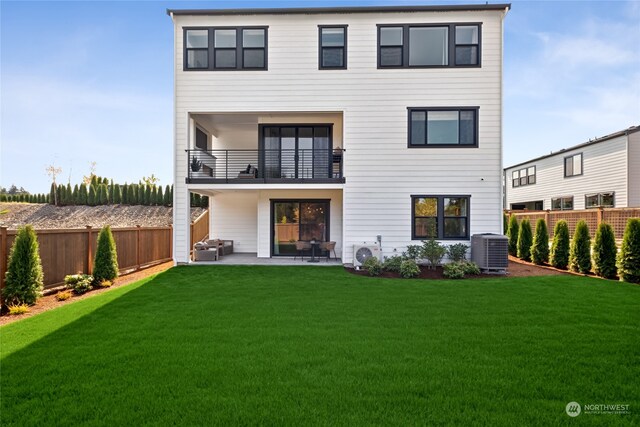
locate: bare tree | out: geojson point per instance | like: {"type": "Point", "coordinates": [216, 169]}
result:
{"type": "Point", "coordinates": [92, 172]}
{"type": "Point", "coordinates": [150, 180]}
{"type": "Point", "coordinates": [53, 171]}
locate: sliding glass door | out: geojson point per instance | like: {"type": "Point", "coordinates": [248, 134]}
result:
{"type": "Point", "coordinates": [298, 220]}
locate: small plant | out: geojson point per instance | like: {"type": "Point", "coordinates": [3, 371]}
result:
{"type": "Point", "coordinates": [79, 283]}
{"type": "Point", "coordinates": [24, 277]}
{"type": "Point", "coordinates": [392, 263]}
{"type": "Point", "coordinates": [433, 252]}
{"type": "Point", "coordinates": [470, 268]}
{"type": "Point", "coordinates": [373, 266]}
{"type": "Point", "coordinates": [64, 295]}
{"type": "Point", "coordinates": [409, 269]}
{"type": "Point", "coordinates": [540, 246]}
{"type": "Point", "coordinates": [629, 256]}
{"type": "Point", "coordinates": [512, 233]}
{"type": "Point", "coordinates": [580, 252]}
{"type": "Point", "coordinates": [604, 252]}
{"type": "Point", "coordinates": [413, 252]}
{"type": "Point", "coordinates": [560, 246]}
{"type": "Point", "coordinates": [525, 240]}
{"type": "Point", "coordinates": [457, 252]}
{"type": "Point", "coordinates": [453, 270]}
{"type": "Point", "coordinates": [104, 283]}
{"type": "Point", "coordinates": [17, 309]}
{"type": "Point", "coordinates": [105, 265]}
{"type": "Point", "coordinates": [195, 164]}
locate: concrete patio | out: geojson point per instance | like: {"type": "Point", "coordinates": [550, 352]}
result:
{"type": "Point", "coordinates": [252, 259]}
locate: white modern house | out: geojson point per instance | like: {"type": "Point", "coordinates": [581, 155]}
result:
{"type": "Point", "coordinates": [345, 124]}
{"type": "Point", "coordinates": [603, 172]}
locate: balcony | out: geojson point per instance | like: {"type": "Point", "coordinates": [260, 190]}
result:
{"type": "Point", "coordinates": [265, 166]}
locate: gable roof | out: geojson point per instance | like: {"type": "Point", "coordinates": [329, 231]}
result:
{"type": "Point", "coordinates": [627, 131]}
{"type": "Point", "coordinates": [344, 9]}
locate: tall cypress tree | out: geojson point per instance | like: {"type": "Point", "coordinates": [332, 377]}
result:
{"type": "Point", "coordinates": [91, 198]}
{"type": "Point", "coordinates": [142, 198]}
{"type": "Point", "coordinates": [75, 195]}
{"type": "Point", "coordinates": [159, 197]}
{"type": "Point", "coordinates": [111, 191]}
{"type": "Point", "coordinates": [580, 250]}
{"type": "Point", "coordinates": [167, 201]}
{"type": "Point", "coordinates": [131, 195]}
{"type": "Point", "coordinates": [125, 194]}
{"type": "Point", "coordinates": [69, 194]}
{"type": "Point", "coordinates": [82, 195]}
{"type": "Point", "coordinates": [52, 194]}
{"type": "Point", "coordinates": [154, 196]}
{"type": "Point", "coordinates": [117, 195]}
{"type": "Point", "coordinates": [512, 233]}
{"type": "Point", "coordinates": [147, 195]}
{"type": "Point", "coordinates": [103, 196]}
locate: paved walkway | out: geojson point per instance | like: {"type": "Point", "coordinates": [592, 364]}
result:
{"type": "Point", "coordinates": [252, 259]}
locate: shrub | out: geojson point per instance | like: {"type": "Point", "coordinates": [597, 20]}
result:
{"type": "Point", "coordinates": [125, 194]}
{"type": "Point", "coordinates": [392, 263]}
{"type": "Point", "coordinates": [52, 194]}
{"type": "Point", "coordinates": [82, 195]}
{"type": "Point", "coordinates": [147, 195]}
{"type": "Point", "coordinates": [24, 277]}
{"type": "Point", "coordinates": [512, 233]}
{"type": "Point", "coordinates": [604, 252]}
{"type": "Point", "coordinates": [91, 199]}
{"type": "Point", "coordinates": [69, 195]}
{"type": "Point", "coordinates": [117, 195]}
{"type": "Point", "coordinates": [168, 196]}
{"type": "Point", "coordinates": [629, 256]}
{"type": "Point", "coordinates": [524, 240]}
{"type": "Point", "coordinates": [159, 197]}
{"type": "Point", "coordinates": [16, 309]}
{"type": "Point", "coordinates": [373, 266]}
{"type": "Point", "coordinates": [470, 267]}
{"type": "Point", "coordinates": [540, 246]}
{"type": "Point", "coordinates": [453, 270]}
{"type": "Point", "coordinates": [104, 194]}
{"type": "Point", "coordinates": [409, 269]}
{"type": "Point", "coordinates": [104, 284]}
{"type": "Point", "coordinates": [433, 252]}
{"type": "Point", "coordinates": [79, 283]}
{"type": "Point", "coordinates": [413, 252]}
{"type": "Point", "coordinates": [153, 201]}
{"type": "Point", "coordinates": [505, 223]}
{"type": "Point", "coordinates": [105, 265]}
{"type": "Point", "coordinates": [64, 295]}
{"type": "Point", "coordinates": [580, 252]}
{"type": "Point", "coordinates": [560, 245]}
{"type": "Point", "coordinates": [457, 252]}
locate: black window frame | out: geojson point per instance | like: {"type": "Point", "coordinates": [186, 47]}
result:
{"type": "Point", "coordinates": [239, 49]}
{"type": "Point", "coordinates": [564, 165]}
{"type": "Point", "coordinates": [562, 200]}
{"type": "Point", "coordinates": [517, 182]}
{"type": "Point", "coordinates": [322, 48]}
{"type": "Point", "coordinates": [476, 116]}
{"type": "Point", "coordinates": [456, 45]}
{"type": "Point", "coordinates": [451, 44]}
{"type": "Point", "coordinates": [599, 195]}
{"type": "Point", "coordinates": [186, 49]}
{"type": "Point", "coordinates": [441, 216]}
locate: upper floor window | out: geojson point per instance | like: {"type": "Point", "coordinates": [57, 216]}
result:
{"type": "Point", "coordinates": [443, 127]}
{"type": "Point", "coordinates": [226, 48]}
{"type": "Point", "coordinates": [333, 46]}
{"type": "Point", "coordinates": [600, 200]}
{"type": "Point", "coordinates": [440, 217]}
{"type": "Point", "coordinates": [562, 203]}
{"type": "Point", "coordinates": [525, 176]}
{"type": "Point", "coordinates": [573, 165]}
{"type": "Point", "coordinates": [402, 46]}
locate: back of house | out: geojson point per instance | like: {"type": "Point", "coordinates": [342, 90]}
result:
{"type": "Point", "coordinates": [352, 125]}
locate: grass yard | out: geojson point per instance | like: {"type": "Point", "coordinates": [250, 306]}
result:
{"type": "Point", "coordinates": [316, 345]}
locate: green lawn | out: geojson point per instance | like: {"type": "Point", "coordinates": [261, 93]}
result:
{"type": "Point", "coordinates": [316, 345]}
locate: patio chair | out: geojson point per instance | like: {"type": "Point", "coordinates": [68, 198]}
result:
{"type": "Point", "coordinates": [204, 252]}
{"type": "Point", "coordinates": [329, 247]}
{"type": "Point", "coordinates": [301, 246]}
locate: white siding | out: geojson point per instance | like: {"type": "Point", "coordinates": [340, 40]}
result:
{"type": "Point", "coordinates": [381, 172]}
{"type": "Point", "coordinates": [234, 216]}
{"type": "Point", "coordinates": [604, 170]}
{"type": "Point", "coordinates": [634, 169]}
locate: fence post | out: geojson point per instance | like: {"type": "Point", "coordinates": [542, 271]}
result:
{"type": "Point", "coordinates": [599, 216]}
{"type": "Point", "coordinates": [4, 253]}
{"type": "Point", "coordinates": [138, 247]}
{"type": "Point", "coordinates": [171, 241]}
{"type": "Point", "coordinates": [89, 251]}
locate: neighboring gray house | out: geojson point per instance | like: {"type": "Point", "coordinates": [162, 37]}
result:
{"type": "Point", "coordinates": [604, 172]}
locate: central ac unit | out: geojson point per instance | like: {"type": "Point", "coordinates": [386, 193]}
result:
{"type": "Point", "coordinates": [363, 251]}
{"type": "Point", "coordinates": [490, 251]}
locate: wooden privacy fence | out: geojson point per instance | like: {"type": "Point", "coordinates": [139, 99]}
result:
{"type": "Point", "coordinates": [617, 217]}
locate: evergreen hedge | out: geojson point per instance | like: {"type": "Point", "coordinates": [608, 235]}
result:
{"type": "Point", "coordinates": [629, 256]}
{"type": "Point", "coordinates": [605, 251]}
{"type": "Point", "coordinates": [540, 246]}
{"type": "Point", "coordinates": [525, 240]}
{"type": "Point", "coordinates": [168, 196]}
{"type": "Point", "coordinates": [91, 199]}
{"type": "Point", "coordinates": [24, 277]}
{"type": "Point", "coordinates": [580, 252]}
{"type": "Point", "coordinates": [105, 264]}
{"type": "Point", "coordinates": [560, 246]}
{"type": "Point", "coordinates": [512, 233]}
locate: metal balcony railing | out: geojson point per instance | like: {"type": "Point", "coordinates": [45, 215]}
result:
{"type": "Point", "coordinates": [267, 166]}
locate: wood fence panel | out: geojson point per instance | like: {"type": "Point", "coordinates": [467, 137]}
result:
{"type": "Point", "coordinates": [155, 245]}
{"type": "Point", "coordinates": [126, 246]}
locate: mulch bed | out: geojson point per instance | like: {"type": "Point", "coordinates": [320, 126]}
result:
{"type": "Point", "coordinates": [49, 302]}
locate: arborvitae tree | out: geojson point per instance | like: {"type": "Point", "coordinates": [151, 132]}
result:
{"type": "Point", "coordinates": [131, 196]}
{"type": "Point", "coordinates": [105, 181]}
{"type": "Point", "coordinates": [204, 201]}
{"type": "Point", "coordinates": [111, 191]}
{"type": "Point", "coordinates": [69, 194]}
{"type": "Point", "coordinates": [580, 253]}
{"type": "Point", "coordinates": [154, 196]}
{"type": "Point", "coordinates": [540, 246]}
{"type": "Point", "coordinates": [167, 200]}
{"type": "Point", "coordinates": [76, 195]}
{"type": "Point", "coordinates": [94, 180]}
{"type": "Point", "coordinates": [103, 194]}
{"type": "Point", "coordinates": [117, 195]}
{"type": "Point", "coordinates": [82, 195]}
{"type": "Point", "coordinates": [60, 195]}
{"type": "Point", "coordinates": [525, 240]}
{"type": "Point", "coordinates": [560, 245]}
{"type": "Point", "coordinates": [505, 223]}
{"type": "Point", "coordinates": [629, 256]}
{"type": "Point", "coordinates": [105, 265]}
{"type": "Point", "coordinates": [159, 197]}
{"type": "Point", "coordinates": [92, 198]}
{"type": "Point", "coordinates": [605, 252]}
{"type": "Point", "coordinates": [23, 280]}
{"type": "Point", "coordinates": [147, 195]}
{"type": "Point", "coordinates": [125, 194]}
{"type": "Point", "coordinates": [512, 233]}
{"type": "Point", "coordinates": [3, 197]}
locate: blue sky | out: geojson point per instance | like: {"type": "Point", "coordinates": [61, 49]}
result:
{"type": "Point", "coordinates": [92, 81]}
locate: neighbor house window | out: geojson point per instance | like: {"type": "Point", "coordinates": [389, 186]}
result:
{"type": "Point", "coordinates": [562, 204]}
{"type": "Point", "coordinates": [440, 217]}
{"type": "Point", "coordinates": [402, 46]}
{"type": "Point", "coordinates": [333, 47]}
{"type": "Point", "coordinates": [573, 165]}
{"type": "Point", "coordinates": [600, 200]}
{"type": "Point", "coordinates": [443, 127]}
{"type": "Point", "coordinates": [524, 176]}
{"type": "Point", "coordinates": [227, 48]}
